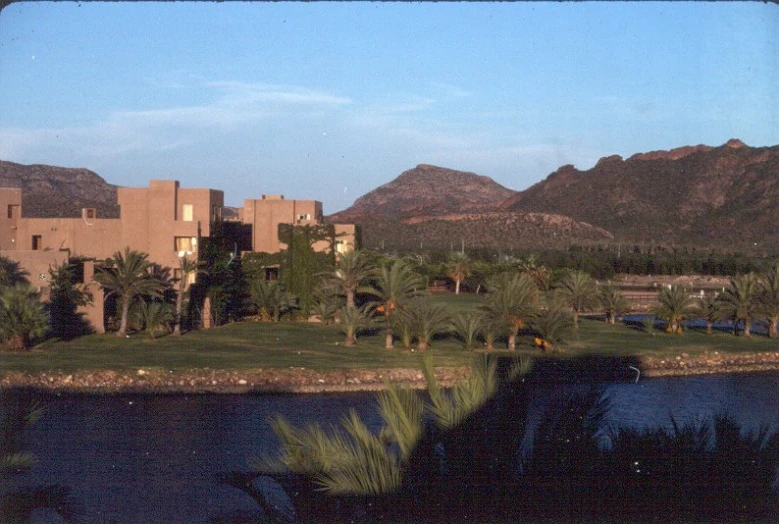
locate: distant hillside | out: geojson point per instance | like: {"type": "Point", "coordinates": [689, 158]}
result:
{"type": "Point", "coordinates": [49, 191]}
{"type": "Point", "coordinates": [435, 207]}
{"type": "Point", "coordinates": [727, 195]}
{"type": "Point", "coordinates": [503, 230]}
{"type": "Point", "coordinates": [427, 190]}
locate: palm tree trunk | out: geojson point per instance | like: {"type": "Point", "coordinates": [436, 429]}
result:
{"type": "Point", "coordinates": [351, 340]}
{"type": "Point", "coordinates": [125, 313]}
{"type": "Point", "coordinates": [179, 302]}
{"type": "Point", "coordinates": [422, 345]}
{"type": "Point", "coordinates": [457, 287]}
{"type": "Point", "coordinates": [512, 342]}
{"type": "Point", "coordinates": [747, 327]}
{"type": "Point", "coordinates": [772, 324]}
{"type": "Point", "coordinates": [708, 327]}
{"type": "Point", "coordinates": [350, 298]}
{"type": "Point", "coordinates": [576, 320]}
{"type": "Point", "coordinates": [388, 339]}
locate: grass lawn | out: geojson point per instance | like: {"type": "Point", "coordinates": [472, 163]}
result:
{"type": "Point", "coordinates": [251, 345]}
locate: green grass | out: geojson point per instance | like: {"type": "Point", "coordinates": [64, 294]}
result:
{"type": "Point", "coordinates": [252, 345]}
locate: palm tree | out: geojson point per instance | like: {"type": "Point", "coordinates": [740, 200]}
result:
{"type": "Point", "coordinates": [352, 320]}
{"type": "Point", "coordinates": [186, 267]}
{"type": "Point", "coordinates": [155, 316]}
{"type": "Point", "coordinates": [612, 302]}
{"type": "Point", "coordinates": [351, 269]}
{"type": "Point", "coordinates": [394, 284]}
{"type": "Point", "coordinates": [11, 273]}
{"type": "Point", "coordinates": [673, 306]}
{"type": "Point", "coordinates": [552, 326]}
{"type": "Point", "coordinates": [22, 316]}
{"type": "Point", "coordinates": [426, 321]}
{"type": "Point", "coordinates": [739, 301]}
{"type": "Point", "coordinates": [129, 275]}
{"type": "Point", "coordinates": [270, 299]}
{"type": "Point", "coordinates": [468, 326]}
{"type": "Point", "coordinates": [768, 299]}
{"type": "Point", "coordinates": [458, 270]}
{"type": "Point", "coordinates": [513, 299]}
{"type": "Point", "coordinates": [708, 308]}
{"type": "Point", "coordinates": [577, 290]}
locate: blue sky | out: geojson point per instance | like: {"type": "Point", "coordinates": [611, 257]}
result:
{"type": "Point", "coordinates": [328, 101]}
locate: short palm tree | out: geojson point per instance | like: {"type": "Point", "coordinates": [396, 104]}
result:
{"type": "Point", "coordinates": [739, 301]}
{"type": "Point", "coordinates": [129, 275]}
{"type": "Point", "coordinates": [577, 290]}
{"type": "Point", "coordinates": [708, 308]}
{"type": "Point", "coordinates": [552, 326]}
{"type": "Point", "coordinates": [270, 299]}
{"type": "Point", "coordinates": [11, 273]}
{"type": "Point", "coordinates": [468, 326]}
{"type": "Point", "coordinates": [427, 321]}
{"type": "Point", "coordinates": [393, 285]}
{"type": "Point", "coordinates": [22, 316]}
{"type": "Point", "coordinates": [513, 300]}
{"type": "Point", "coordinates": [155, 316]}
{"type": "Point", "coordinates": [612, 302]}
{"type": "Point", "coordinates": [352, 320]}
{"type": "Point", "coordinates": [673, 305]}
{"type": "Point", "coordinates": [768, 298]}
{"type": "Point", "coordinates": [351, 269]}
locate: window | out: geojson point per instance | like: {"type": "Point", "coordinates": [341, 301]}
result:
{"type": "Point", "coordinates": [37, 242]}
{"type": "Point", "coordinates": [190, 278]}
{"type": "Point", "coordinates": [216, 213]}
{"type": "Point", "coordinates": [185, 244]}
{"type": "Point", "coordinates": [13, 211]}
{"type": "Point", "coordinates": [186, 213]}
{"type": "Point", "coordinates": [90, 212]}
{"type": "Point", "coordinates": [304, 216]}
{"type": "Point", "coordinates": [340, 246]}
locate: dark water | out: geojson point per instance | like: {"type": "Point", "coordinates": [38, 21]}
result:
{"type": "Point", "coordinates": [155, 459]}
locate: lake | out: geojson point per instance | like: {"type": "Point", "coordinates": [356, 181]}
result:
{"type": "Point", "coordinates": [134, 458]}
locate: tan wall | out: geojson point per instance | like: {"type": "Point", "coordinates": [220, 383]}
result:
{"type": "Point", "coordinates": [265, 215]}
{"type": "Point", "coordinates": [96, 238]}
{"type": "Point", "coordinates": [37, 264]}
{"type": "Point", "coordinates": [9, 197]}
{"type": "Point", "coordinates": [152, 218]}
{"type": "Point", "coordinates": [344, 239]}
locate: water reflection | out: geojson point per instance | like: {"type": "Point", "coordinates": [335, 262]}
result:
{"type": "Point", "coordinates": [155, 459]}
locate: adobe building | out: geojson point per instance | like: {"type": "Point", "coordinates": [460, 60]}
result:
{"type": "Point", "coordinates": [264, 216]}
{"type": "Point", "coordinates": [163, 220]}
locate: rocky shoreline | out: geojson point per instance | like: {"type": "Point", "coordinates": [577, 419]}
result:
{"type": "Point", "coordinates": [301, 380]}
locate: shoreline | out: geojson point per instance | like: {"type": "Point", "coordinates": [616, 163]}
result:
{"type": "Point", "coordinates": [301, 380]}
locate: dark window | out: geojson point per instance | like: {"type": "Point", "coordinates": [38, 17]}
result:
{"type": "Point", "coordinates": [36, 242]}
{"type": "Point", "coordinates": [13, 211]}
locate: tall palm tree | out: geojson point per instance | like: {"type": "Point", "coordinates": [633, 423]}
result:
{"type": "Point", "coordinates": [578, 292]}
{"type": "Point", "coordinates": [612, 302]}
{"type": "Point", "coordinates": [351, 269]}
{"type": "Point", "coordinates": [708, 308]}
{"type": "Point", "coordinates": [128, 275]}
{"type": "Point", "coordinates": [187, 267]}
{"type": "Point", "coordinates": [673, 305]}
{"type": "Point", "coordinates": [739, 301]}
{"type": "Point", "coordinates": [514, 300]}
{"type": "Point", "coordinates": [393, 285]}
{"type": "Point", "coordinates": [22, 316]}
{"type": "Point", "coordinates": [458, 270]}
{"type": "Point", "coordinates": [769, 299]}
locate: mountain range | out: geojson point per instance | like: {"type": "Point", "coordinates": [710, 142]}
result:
{"type": "Point", "coordinates": [724, 197]}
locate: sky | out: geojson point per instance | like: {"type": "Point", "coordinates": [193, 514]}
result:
{"type": "Point", "coordinates": [328, 101]}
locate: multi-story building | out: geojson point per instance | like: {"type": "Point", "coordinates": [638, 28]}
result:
{"type": "Point", "coordinates": [163, 220]}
